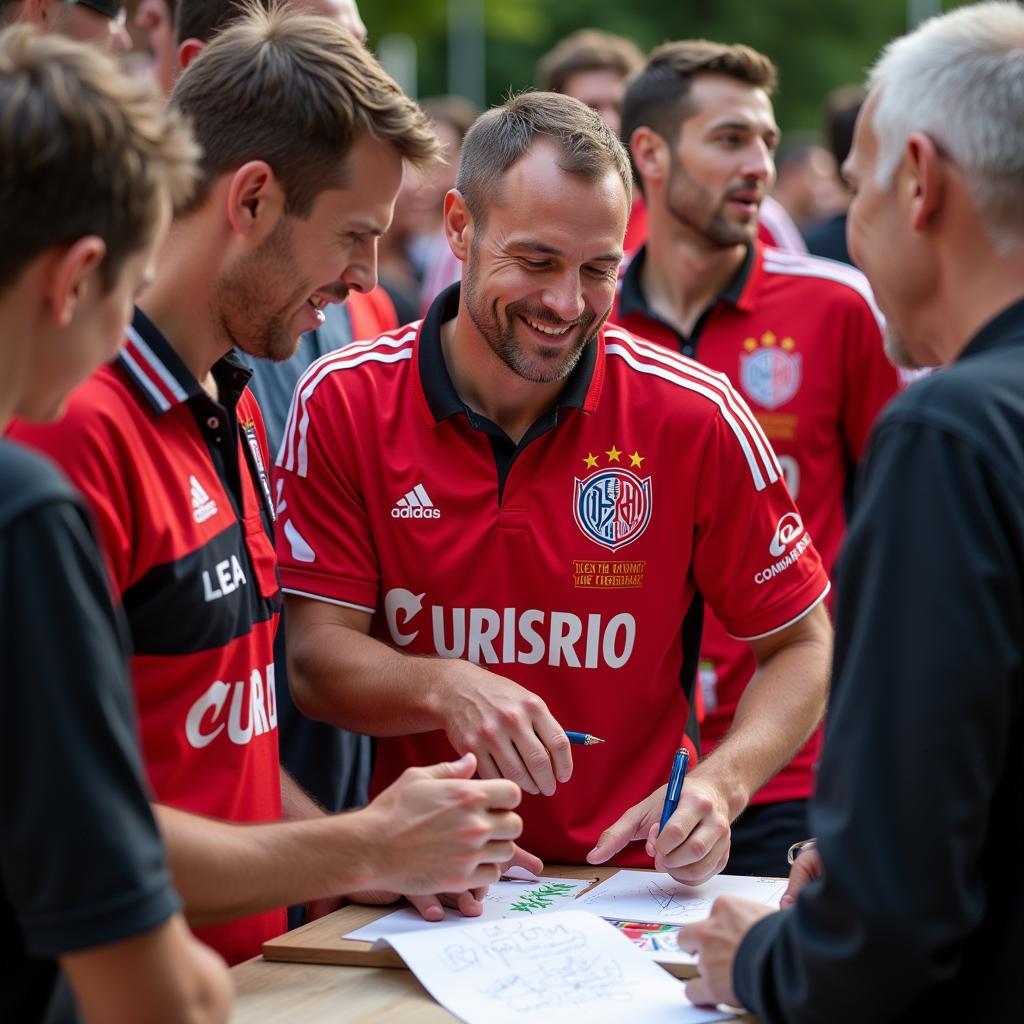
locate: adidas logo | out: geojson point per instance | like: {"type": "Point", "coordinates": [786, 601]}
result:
{"type": "Point", "coordinates": [415, 505]}
{"type": "Point", "coordinates": [203, 506]}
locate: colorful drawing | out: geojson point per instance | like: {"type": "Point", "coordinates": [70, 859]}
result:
{"type": "Point", "coordinates": [542, 898]}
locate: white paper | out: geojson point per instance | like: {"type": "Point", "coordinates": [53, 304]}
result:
{"type": "Point", "coordinates": [503, 899]}
{"type": "Point", "coordinates": [659, 898]}
{"type": "Point", "coordinates": [567, 965]}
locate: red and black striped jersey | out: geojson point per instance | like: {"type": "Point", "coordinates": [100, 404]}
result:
{"type": "Point", "coordinates": [178, 486]}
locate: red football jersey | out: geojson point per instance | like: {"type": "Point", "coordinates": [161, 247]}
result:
{"type": "Point", "coordinates": [182, 504]}
{"type": "Point", "coordinates": [566, 563]}
{"type": "Point", "coordinates": [801, 337]}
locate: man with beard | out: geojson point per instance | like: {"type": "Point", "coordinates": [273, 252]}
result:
{"type": "Point", "coordinates": [508, 537]}
{"type": "Point", "coordinates": [916, 908]}
{"type": "Point", "coordinates": [799, 336]}
{"type": "Point", "coordinates": [303, 138]}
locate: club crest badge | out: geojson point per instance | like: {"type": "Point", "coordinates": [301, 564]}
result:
{"type": "Point", "coordinates": [770, 372]}
{"type": "Point", "coordinates": [612, 507]}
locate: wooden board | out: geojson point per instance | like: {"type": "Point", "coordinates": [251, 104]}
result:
{"type": "Point", "coordinates": [322, 942]}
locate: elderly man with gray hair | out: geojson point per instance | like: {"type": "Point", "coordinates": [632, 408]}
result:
{"type": "Point", "coordinates": [911, 905]}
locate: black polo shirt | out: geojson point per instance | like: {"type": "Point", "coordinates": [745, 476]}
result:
{"type": "Point", "coordinates": [81, 863]}
{"type": "Point", "coordinates": [920, 914]}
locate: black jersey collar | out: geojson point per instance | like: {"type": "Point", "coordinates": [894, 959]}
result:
{"type": "Point", "coordinates": [1005, 327]}
{"type": "Point", "coordinates": [160, 375]}
{"type": "Point", "coordinates": [442, 398]}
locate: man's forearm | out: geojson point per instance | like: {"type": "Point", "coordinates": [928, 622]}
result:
{"type": "Point", "coordinates": [224, 870]}
{"type": "Point", "coordinates": [342, 676]}
{"type": "Point", "coordinates": [780, 708]}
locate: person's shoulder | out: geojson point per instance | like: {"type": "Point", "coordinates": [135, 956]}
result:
{"type": "Point", "coordinates": [381, 359]}
{"type": "Point", "coordinates": [636, 366]}
{"type": "Point", "coordinates": [815, 276]}
{"type": "Point", "coordinates": [978, 399]}
{"type": "Point", "coordinates": [31, 481]}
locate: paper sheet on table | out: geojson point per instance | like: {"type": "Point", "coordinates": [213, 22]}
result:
{"type": "Point", "coordinates": [659, 898]}
{"type": "Point", "coordinates": [566, 965]}
{"type": "Point", "coordinates": [503, 899]}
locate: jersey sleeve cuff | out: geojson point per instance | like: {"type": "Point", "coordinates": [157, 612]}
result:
{"type": "Point", "coordinates": [124, 917]}
{"type": "Point", "coordinates": [347, 592]}
{"type": "Point", "coordinates": [784, 613]}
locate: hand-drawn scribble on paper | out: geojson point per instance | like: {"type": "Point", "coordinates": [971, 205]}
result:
{"type": "Point", "coordinates": [565, 981]}
{"type": "Point", "coordinates": [533, 941]}
{"type": "Point", "coordinates": [460, 957]}
{"type": "Point", "coordinates": [666, 900]}
{"type": "Point", "coordinates": [542, 897]}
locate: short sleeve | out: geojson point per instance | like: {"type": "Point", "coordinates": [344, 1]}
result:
{"type": "Point", "coordinates": [325, 544]}
{"type": "Point", "coordinates": [81, 858]}
{"type": "Point", "coordinates": [753, 561]}
{"type": "Point", "coordinates": [93, 457]}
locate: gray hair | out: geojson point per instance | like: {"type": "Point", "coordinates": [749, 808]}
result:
{"type": "Point", "coordinates": [960, 79]}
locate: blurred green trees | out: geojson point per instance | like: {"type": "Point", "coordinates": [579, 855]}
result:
{"type": "Point", "coordinates": [817, 44]}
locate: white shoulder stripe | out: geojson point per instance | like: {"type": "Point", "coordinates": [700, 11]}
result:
{"type": "Point", "coordinates": [156, 365]}
{"type": "Point", "coordinates": [776, 262]}
{"type": "Point", "coordinates": [142, 377]}
{"type": "Point", "coordinates": [761, 463]}
{"type": "Point", "coordinates": [294, 454]}
{"type": "Point", "coordinates": [691, 369]}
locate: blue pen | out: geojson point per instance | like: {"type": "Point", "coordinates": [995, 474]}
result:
{"type": "Point", "coordinates": [675, 786]}
{"type": "Point", "coordinates": [582, 739]}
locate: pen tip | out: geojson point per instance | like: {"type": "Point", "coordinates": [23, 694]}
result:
{"type": "Point", "coordinates": [597, 739]}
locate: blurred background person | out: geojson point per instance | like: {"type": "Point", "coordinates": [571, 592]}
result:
{"type": "Point", "coordinates": [89, 21]}
{"type": "Point", "coordinates": [102, 22]}
{"type": "Point", "coordinates": [806, 179]}
{"type": "Point", "coordinates": [156, 19]}
{"type": "Point", "coordinates": [451, 117]}
{"type": "Point", "coordinates": [842, 106]}
{"type": "Point", "coordinates": [595, 67]}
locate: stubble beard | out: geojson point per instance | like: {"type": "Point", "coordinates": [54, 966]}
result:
{"type": "Point", "coordinates": [544, 366]}
{"type": "Point", "coordinates": [687, 200]}
{"type": "Point", "coordinates": [240, 298]}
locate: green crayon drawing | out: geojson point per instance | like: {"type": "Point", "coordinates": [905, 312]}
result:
{"type": "Point", "coordinates": [542, 897]}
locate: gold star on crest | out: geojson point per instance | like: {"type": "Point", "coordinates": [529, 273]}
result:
{"type": "Point", "coordinates": [750, 344]}
{"type": "Point", "coordinates": [613, 454]}
{"type": "Point", "coordinates": [591, 460]}
{"type": "Point", "coordinates": [636, 458]}
{"type": "Point", "coordinates": [788, 344]}
{"type": "Point", "coordinates": [768, 338]}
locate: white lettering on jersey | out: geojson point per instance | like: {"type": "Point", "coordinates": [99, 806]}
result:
{"type": "Point", "coordinates": [408, 604]}
{"type": "Point", "coordinates": [508, 637]}
{"type": "Point", "coordinates": [415, 504]}
{"type": "Point", "coordinates": [252, 711]}
{"type": "Point", "coordinates": [229, 577]}
{"type": "Point", "coordinates": [776, 568]}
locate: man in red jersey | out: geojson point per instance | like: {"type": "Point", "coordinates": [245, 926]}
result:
{"type": "Point", "coordinates": [493, 523]}
{"type": "Point", "coordinates": [303, 138]}
{"type": "Point", "coordinates": [799, 336]}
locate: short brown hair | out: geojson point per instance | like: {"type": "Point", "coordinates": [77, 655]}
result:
{"type": "Point", "coordinates": [296, 91]}
{"type": "Point", "coordinates": [499, 138]}
{"type": "Point", "coordinates": [659, 97]}
{"type": "Point", "coordinates": [84, 150]}
{"type": "Point", "coordinates": [589, 49]}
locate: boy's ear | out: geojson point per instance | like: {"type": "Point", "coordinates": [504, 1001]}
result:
{"type": "Point", "coordinates": [72, 277]}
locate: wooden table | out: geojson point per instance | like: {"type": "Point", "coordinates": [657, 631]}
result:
{"type": "Point", "coordinates": [294, 993]}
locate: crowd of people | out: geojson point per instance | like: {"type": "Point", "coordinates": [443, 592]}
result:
{"type": "Point", "coordinates": [307, 577]}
